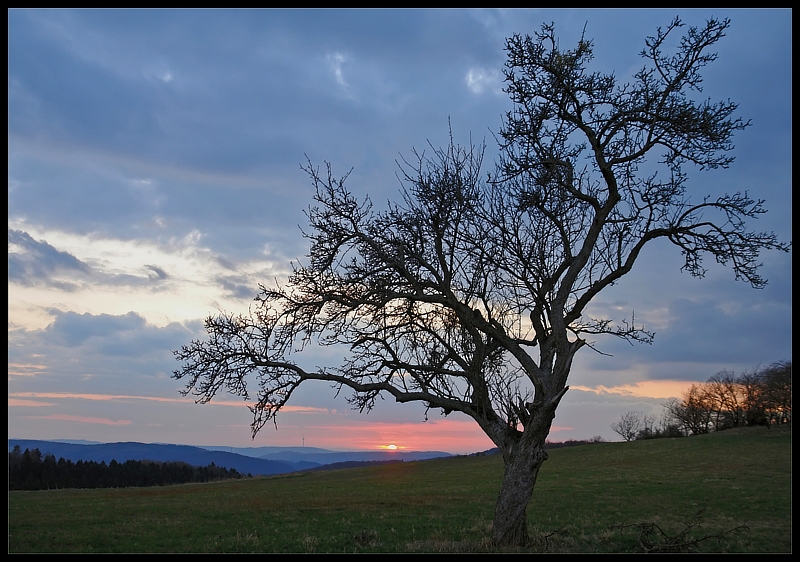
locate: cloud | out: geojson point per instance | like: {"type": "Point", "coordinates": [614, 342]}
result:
{"type": "Point", "coordinates": [25, 369]}
{"type": "Point", "coordinates": [480, 79]}
{"type": "Point", "coordinates": [28, 403]}
{"type": "Point", "coordinates": [32, 262]}
{"type": "Point", "coordinates": [81, 419]}
{"type": "Point", "coordinates": [103, 354]}
{"type": "Point", "coordinates": [158, 273]}
{"type": "Point", "coordinates": [643, 389]}
{"type": "Point", "coordinates": [164, 281]}
{"type": "Point", "coordinates": [25, 397]}
{"type": "Point", "coordinates": [336, 62]}
{"type": "Point", "coordinates": [238, 287]}
{"type": "Point", "coordinates": [108, 341]}
{"type": "Point", "coordinates": [158, 71]}
{"type": "Point", "coordinates": [72, 329]}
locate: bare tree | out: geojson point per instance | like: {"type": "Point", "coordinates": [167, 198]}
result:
{"type": "Point", "coordinates": [629, 425]}
{"type": "Point", "coordinates": [777, 392]}
{"type": "Point", "coordinates": [752, 385]}
{"type": "Point", "coordinates": [726, 397]}
{"type": "Point", "coordinates": [756, 398]}
{"type": "Point", "coordinates": [471, 296]}
{"type": "Point", "coordinates": [693, 413]}
{"type": "Point", "coordinates": [649, 429]}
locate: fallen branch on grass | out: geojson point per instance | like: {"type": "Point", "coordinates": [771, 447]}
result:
{"type": "Point", "coordinates": [653, 539]}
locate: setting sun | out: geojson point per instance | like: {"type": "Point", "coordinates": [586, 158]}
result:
{"type": "Point", "coordinates": [391, 447]}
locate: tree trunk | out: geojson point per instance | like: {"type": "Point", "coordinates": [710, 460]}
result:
{"type": "Point", "coordinates": [519, 478]}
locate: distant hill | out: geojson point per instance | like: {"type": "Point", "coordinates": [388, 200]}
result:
{"type": "Point", "coordinates": [326, 456]}
{"type": "Point", "coordinates": [195, 456]}
{"type": "Point", "coordinates": [323, 457]}
{"type": "Point", "coordinates": [351, 464]}
{"type": "Point", "coordinates": [258, 461]}
{"type": "Point", "coordinates": [259, 452]}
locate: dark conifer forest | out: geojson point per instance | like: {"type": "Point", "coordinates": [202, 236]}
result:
{"type": "Point", "coordinates": [30, 470]}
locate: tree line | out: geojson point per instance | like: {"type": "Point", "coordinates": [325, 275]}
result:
{"type": "Point", "coordinates": [761, 397]}
{"type": "Point", "coordinates": [31, 470]}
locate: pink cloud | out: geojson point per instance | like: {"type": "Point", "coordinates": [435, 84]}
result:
{"type": "Point", "coordinates": [28, 403]}
{"type": "Point", "coordinates": [82, 419]}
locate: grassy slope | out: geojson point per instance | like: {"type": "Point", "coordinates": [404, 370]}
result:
{"type": "Point", "coordinates": [737, 477]}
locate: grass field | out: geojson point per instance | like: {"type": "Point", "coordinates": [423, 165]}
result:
{"type": "Point", "coordinates": [592, 498]}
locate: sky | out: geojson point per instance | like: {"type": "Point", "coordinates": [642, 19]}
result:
{"type": "Point", "coordinates": [154, 179]}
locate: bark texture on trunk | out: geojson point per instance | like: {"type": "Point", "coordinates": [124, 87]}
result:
{"type": "Point", "coordinates": [523, 455]}
{"type": "Point", "coordinates": [519, 477]}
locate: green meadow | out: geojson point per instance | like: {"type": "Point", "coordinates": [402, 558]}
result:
{"type": "Point", "coordinates": [725, 492]}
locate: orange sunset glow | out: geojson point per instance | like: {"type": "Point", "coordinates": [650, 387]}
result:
{"type": "Point", "coordinates": [448, 435]}
{"type": "Point", "coordinates": [643, 389]}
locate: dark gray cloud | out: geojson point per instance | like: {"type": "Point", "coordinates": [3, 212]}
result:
{"type": "Point", "coordinates": [156, 272]}
{"type": "Point", "coordinates": [238, 287]}
{"type": "Point", "coordinates": [705, 326]}
{"type": "Point", "coordinates": [102, 350]}
{"type": "Point", "coordinates": [218, 111]}
{"type": "Point", "coordinates": [98, 354]}
{"type": "Point", "coordinates": [32, 262]}
{"type": "Point", "coordinates": [38, 263]}
{"type": "Point", "coordinates": [72, 329]}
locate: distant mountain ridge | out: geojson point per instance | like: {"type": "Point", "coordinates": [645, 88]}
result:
{"type": "Point", "coordinates": [324, 456]}
{"type": "Point", "coordinates": [195, 456]}
{"type": "Point", "coordinates": [258, 461]}
{"type": "Point", "coordinates": [331, 457]}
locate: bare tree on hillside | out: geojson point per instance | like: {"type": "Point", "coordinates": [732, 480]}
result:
{"type": "Point", "coordinates": [470, 295]}
{"type": "Point", "coordinates": [629, 425]}
{"type": "Point", "coordinates": [756, 398]}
